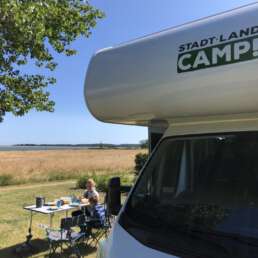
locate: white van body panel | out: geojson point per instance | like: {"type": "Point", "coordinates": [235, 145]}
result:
{"type": "Point", "coordinates": [139, 81]}
{"type": "Point", "coordinates": [240, 123]}
{"type": "Point", "coordinates": [121, 245]}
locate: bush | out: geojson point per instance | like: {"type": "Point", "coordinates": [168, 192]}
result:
{"type": "Point", "coordinates": [140, 160]}
{"type": "Point", "coordinates": [144, 144]}
{"type": "Point", "coordinates": [6, 180]}
{"type": "Point", "coordinates": [102, 181]}
{"type": "Point", "coordinates": [59, 176]}
{"type": "Point", "coordinates": [81, 182]}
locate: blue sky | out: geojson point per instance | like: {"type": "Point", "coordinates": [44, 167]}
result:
{"type": "Point", "coordinates": [125, 20]}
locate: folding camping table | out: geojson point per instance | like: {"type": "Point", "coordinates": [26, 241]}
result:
{"type": "Point", "coordinates": [47, 210]}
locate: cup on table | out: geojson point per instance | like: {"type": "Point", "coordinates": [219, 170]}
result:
{"type": "Point", "coordinates": [58, 203]}
{"type": "Point", "coordinates": [75, 199]}
{"type": "Point", "coordinates": [40, 201]}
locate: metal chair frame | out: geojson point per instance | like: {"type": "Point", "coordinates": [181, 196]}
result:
{"type": "Point", "coordinates": [66, 235]}
{"type": "Point", "coordinates": [98, 228]}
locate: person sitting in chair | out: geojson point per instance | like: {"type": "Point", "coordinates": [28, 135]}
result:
{"type": "Point", "coordinates": [90, 196]}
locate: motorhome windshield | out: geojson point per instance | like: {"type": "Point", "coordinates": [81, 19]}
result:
{"type": "Point", "coordinates": [198, 197]}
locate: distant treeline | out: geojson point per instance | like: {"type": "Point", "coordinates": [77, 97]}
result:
{"type": "Point", "coordinates": [92, 146]}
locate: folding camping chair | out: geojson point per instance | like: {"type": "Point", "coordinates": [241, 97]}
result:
{"type": "Point", "coordinates": [66, 235]}
{"type": "Point", "coordinates": [99, 224]}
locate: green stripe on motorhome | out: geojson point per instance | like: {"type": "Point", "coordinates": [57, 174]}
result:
{"type": "Point", "coordinates": [217, 55]}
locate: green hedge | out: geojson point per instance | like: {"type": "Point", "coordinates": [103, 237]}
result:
{"type": "Point", "coordinates": [6, 180]}
{"type": "Point", "coordinates": [102, 181]}
{"type": "Point", "coordinates": [140, 160]}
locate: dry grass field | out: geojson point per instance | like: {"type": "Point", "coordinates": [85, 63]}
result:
{"type": "Point", "coordinates": [51, 165]}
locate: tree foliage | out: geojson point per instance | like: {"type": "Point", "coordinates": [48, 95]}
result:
{"type": "Point", "coordinates": [31, 31]}
{"type": "Point", "coordinates": [144, 144]}
{"type": "Point", "coordinates": [140, 160]}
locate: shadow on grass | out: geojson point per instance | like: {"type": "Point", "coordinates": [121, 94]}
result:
{"type": "Point", "coordinates": [40, 248]}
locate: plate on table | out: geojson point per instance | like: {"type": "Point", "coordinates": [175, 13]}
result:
{"type": "Point", "coordinates": [66, 199]}
{"type": "Point", "coordinates": [53, 208]}
{"type": "Point", "coordinates": [74, 204]}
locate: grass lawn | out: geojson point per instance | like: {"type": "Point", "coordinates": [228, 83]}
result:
{"type": "Point", "coordinates": [14, 220]}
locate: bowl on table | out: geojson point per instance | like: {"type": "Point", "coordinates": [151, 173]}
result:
{"type": "Point", "coordinates": [66, 199]}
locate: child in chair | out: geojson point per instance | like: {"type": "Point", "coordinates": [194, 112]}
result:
{"type": "Point", "coordinates": [91, 196]}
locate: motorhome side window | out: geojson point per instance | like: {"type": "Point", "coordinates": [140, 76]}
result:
{"type": "Point", "coordinates": [199, 191]}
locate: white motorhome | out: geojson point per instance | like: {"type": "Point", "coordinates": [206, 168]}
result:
{"type": "Point", "coordinates": [195, 85]}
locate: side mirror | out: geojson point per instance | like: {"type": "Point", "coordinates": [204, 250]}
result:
{"type": "Point", "coordinates": [114, 196]}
